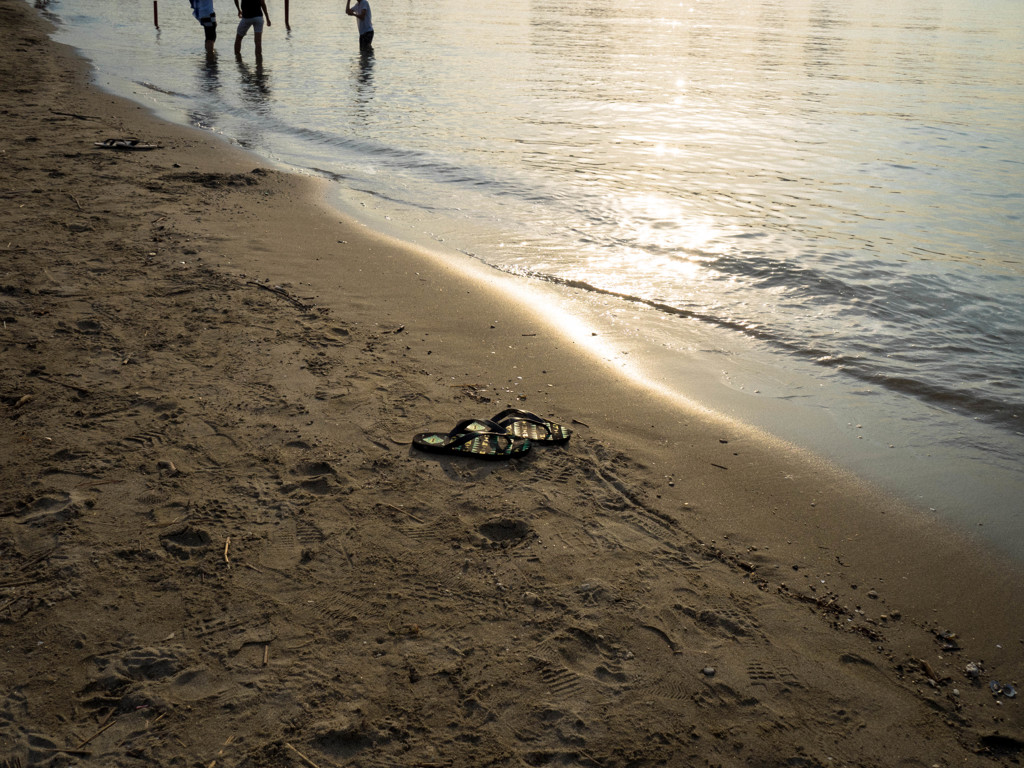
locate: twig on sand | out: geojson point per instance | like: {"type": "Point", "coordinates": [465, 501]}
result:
{"type": "Point", "coordinates": [340, 549]}
{"type": "Point", "coordinates": [927, 669]}
{"type": "Point", "coordinates": [90, 483]}
{"type": "Point", "coordinates": [72, 114]}
{"type": "Point", "coordinates": [101, 730]}
{"type": "Point", "coordinates": [220, 752]}
{"type": "Point", "coordinates": [6, 606]}
{"type": "Point", "coordinates": [266, 654]}
{"type": "Point", "coordinates": [227, 543]}
{"type": "Point", "coordinates": [76, 201]}
{"type": "Point", "coordinates": [79, 390]}
{"type": "Point", "coordinates": [404, 512]}
{"type": "Point", "coordinates": [19, 583]}
{"type": "Point", "coordinates": [279, 292]}
{"type": "Point", "coordinates": [304, 759]}
{"type": "Point", "coordinates": [39, 557]}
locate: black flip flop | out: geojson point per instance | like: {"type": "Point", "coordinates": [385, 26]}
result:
{"type": "Point", "coordinates": [134, 144]}
{"type": "Point", "coordinates": [479, 438]}
{"type": "Point", "coordinates": [532, 427]}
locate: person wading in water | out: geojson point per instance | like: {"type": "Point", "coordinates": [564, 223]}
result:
{"type": "Point", "coordinates": [252, 13]}
{"type": "Point", "coordinates": [361, 10]}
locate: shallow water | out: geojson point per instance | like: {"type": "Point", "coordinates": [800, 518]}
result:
{"type": "Point", "coordinates": [816, 203]}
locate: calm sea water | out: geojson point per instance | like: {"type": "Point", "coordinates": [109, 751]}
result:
{"type": "Point", "coordinates": [819, 201]}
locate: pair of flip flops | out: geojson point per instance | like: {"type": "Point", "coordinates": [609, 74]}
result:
{"type": "Point", "coordinates": [131, 144]}
{"type": "Point", "coordinates": [508, 434]}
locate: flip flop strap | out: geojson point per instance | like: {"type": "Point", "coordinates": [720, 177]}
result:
{"type": "Point", "coordinates": [468, 437]}
{"type": "Point", "coordinates": [521, 415]}
{"type": "Point", "coordinates": [488, 425]}
{"type": "Point", "coordinates": [545, 425]}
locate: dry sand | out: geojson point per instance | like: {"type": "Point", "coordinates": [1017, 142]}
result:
{"type": "Point", "coordinates": [217, 546]}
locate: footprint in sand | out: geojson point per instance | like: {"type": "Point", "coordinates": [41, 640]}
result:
{"type": "Point", "coordinates": [185, 541]}
{"type": "Point", "coordinates": [506, 532]}
{"type": "Point", "coordinates": [47, 507]}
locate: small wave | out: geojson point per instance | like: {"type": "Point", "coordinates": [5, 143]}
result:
{"type": "Point", "coordinates": [1001, 413]}
{"type": "Point", "coordinates": [158, 89]}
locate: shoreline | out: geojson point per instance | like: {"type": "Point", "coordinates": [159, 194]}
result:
{"type": "Point", "coordinates": [213, 525]}
{"type": "Point", "coordinates": [734, 381]}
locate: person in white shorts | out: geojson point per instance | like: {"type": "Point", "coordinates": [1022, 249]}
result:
{"type": "Point", "coordinates": [252, 14]}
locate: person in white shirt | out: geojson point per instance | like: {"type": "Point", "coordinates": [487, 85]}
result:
{"type": "Point", "coordinates": [361, 10]}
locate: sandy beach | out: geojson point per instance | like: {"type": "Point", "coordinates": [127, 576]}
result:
{"type": "Point", "coordinates": [219, 548]}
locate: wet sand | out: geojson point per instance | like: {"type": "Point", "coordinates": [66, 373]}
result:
{"type": "Point", "coordinates": [217, 546]}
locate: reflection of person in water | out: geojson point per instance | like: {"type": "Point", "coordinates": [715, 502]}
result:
{"type": "Point", "coordinates": [203, 11]}
{"type": "Point", "coordinates": [209, 79]}
{"type": "Point", "coordinates": [362, 71]}
{"type": "Point", "coordinates": [255, 85]}
{"type": "Point", "coordinates": [361, 10]}
{"type": "Point", "coordinates": [252, 14]}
